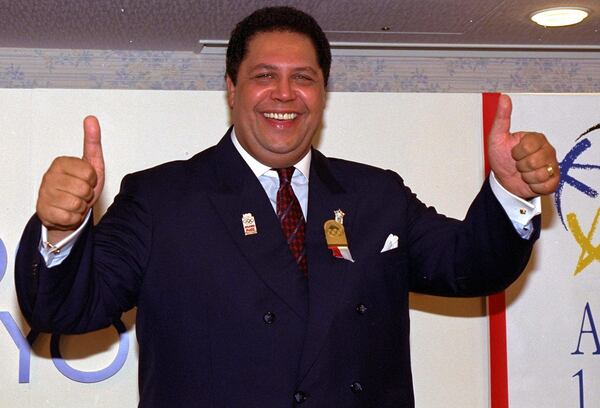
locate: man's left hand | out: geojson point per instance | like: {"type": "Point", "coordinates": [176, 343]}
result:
{"type": "Point", "coordinates": [524, 163]}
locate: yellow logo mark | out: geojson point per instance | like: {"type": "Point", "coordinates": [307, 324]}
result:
{"type": "Point", "coordinates": [589, 252]}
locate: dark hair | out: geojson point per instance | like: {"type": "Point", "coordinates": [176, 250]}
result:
{"type": "Point", "coordinates": [269, 19]}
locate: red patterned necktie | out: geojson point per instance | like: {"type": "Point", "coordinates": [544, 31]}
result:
{"type": "Point", "coordinates": [291, 218]}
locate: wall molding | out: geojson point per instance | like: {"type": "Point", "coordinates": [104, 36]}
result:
{"type": "Point", "coordinates": [175, 70]}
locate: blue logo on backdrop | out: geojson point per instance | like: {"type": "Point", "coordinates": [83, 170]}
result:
{"type": "Point", "coordinates": [92, 376]}
{"type": "Point", "coordinates": [3, 259]}
{"type": "Point", "coordinates": [22, 343]}
{"type": "Point", "coordinates": [575, 171]}
{"type": "Point", "coordinates": [570, 163]}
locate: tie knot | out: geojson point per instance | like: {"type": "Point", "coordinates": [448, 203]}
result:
{"type": "Point", "coordinates": [285, 175]}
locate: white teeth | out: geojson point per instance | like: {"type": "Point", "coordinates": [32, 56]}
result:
{"type": "Point", "coordinates": [280, 116]}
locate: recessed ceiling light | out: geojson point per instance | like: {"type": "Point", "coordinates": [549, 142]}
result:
{"type": "Point", "coordinates": [559, 16]}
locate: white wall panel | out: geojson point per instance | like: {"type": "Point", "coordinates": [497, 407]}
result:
{"type": "Point", "coordinates": [432, 140]}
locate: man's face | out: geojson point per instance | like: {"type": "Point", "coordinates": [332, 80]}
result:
{"type": "Point", "coordinates": [278, 102]}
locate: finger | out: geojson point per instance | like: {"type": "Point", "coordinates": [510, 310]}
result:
{"type": "Point", "coordinates": [541, 158]}
{"type": "Point", "coordinates": [55, 218]}
{"type": "Point", "coordinates": [540, 175]}
{"type": "Point", "coordinates": [63, 197]}
{"type": "Point", "coordinates": [92, 144]}
{"type": "Point", "coordinates": [60, 209]}
{"type": "Point", "coordinates": [71, 167]}
{"type": "Point", "coordinates": [547, 187]}
{"type": "Point", "coordinates": [77, 188]}
{"type": "Point", "coordinates": [501, 125]}
{"type": "Point", "coordinates": [529, 143]}
{"type": "Point", "coordinates": [72, 204]}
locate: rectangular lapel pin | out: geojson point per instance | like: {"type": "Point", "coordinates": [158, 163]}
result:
{"type": "Point", "coordinates": [249, 224]}
{"type": "Point", "coordinates": [335, 235]}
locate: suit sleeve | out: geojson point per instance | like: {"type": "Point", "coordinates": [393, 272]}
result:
{"type": "Point", "coordinates": [478, 256]}
{"type": "Point", "coordinates": [100, 278]}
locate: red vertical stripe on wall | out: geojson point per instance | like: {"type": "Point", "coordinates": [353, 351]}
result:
{"type": "Point", "coordinates": [497, 302]}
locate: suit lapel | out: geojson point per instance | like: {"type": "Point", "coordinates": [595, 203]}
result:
{"type": "Point", "coordinates": [326, 274]}
{"type": "Point", "coordinates": [238, 192]}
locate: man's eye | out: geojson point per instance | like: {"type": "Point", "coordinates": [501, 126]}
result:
{"type": "Point", "coordinates": [264, 75]}
{"type": "Point", "coordinates": [303, 77]}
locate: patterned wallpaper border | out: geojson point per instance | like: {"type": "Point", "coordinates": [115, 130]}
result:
{"type": "Point", "coordinates": [166, 70]}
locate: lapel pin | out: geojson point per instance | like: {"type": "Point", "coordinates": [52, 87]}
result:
{"type": "Point", "coordinates": [339, 216]}
{"type": "Point", "coordinates": [249, 224]}
{"type": "Point", "coordinates": [335, 235]}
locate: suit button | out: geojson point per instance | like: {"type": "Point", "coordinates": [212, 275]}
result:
{"type": "Point", "coordinates": [300, 397]}
{"type": "Point", "coordinates": [356, 387]}
{"type": "Point", "coordinates": [35, 267]}
{"type": "Point", "coordinates": [361, 309]}
{"type": "Point", "coordinates": [269, 318]}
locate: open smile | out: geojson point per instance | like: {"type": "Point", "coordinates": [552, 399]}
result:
{"type": "Point", "coordinates": [280, 116]}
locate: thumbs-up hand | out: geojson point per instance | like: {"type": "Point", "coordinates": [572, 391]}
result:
{"type": "Point", "coordinates": [71, 186]}
{"type": "Point", "coordinates": [524, 163]}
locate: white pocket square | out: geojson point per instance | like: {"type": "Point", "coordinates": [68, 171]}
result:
{"type": "Point", "coordinates": [390, 243]}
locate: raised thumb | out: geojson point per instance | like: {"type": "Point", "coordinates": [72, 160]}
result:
{"type": "Point", "coordinates": [92, 150]}
{"type": "Point", "coordinates": [501, 125]}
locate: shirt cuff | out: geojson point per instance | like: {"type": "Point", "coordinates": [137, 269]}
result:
{"type": "Point", "coordinates": [520, 211]}
{"type": "Point", "coordinates": [54, 254]}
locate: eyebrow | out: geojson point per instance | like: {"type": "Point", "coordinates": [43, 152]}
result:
{"type": "Point", "coordinates": [276, 68]}
{"type": "Point", "coordinates": [595, 127]}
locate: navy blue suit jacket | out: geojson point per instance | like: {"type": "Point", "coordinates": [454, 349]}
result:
{"type": "Point", "coordinates": [227, 320]}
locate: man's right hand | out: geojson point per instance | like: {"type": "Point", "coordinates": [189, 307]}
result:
{"type": "Point", "coordinates": [71, 186]}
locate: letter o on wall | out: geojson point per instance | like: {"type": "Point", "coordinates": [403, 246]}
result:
{"type": "Point", "coordinates": [92, 376]}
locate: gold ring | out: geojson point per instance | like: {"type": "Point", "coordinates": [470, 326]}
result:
{"type": "Point", "coordinates": [550, 170]}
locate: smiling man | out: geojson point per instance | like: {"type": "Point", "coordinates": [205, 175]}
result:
{"type": "Point", "coordinates": [278, 97]}
{"type": "Point", "coordinates": [241, 302]}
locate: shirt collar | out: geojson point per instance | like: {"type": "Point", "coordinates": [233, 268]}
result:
{"type": "Point", "coordinates": [259, 169]}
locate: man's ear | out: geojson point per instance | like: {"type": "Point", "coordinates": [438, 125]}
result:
{"type": "Point", "coordinates": [230, 91]}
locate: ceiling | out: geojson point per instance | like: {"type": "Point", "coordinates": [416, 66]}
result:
{"type": "Point", "coordinates": [186, 25]}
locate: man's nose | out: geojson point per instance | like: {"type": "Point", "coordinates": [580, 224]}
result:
{"type": "Point", "coordinates": [284, 90]}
